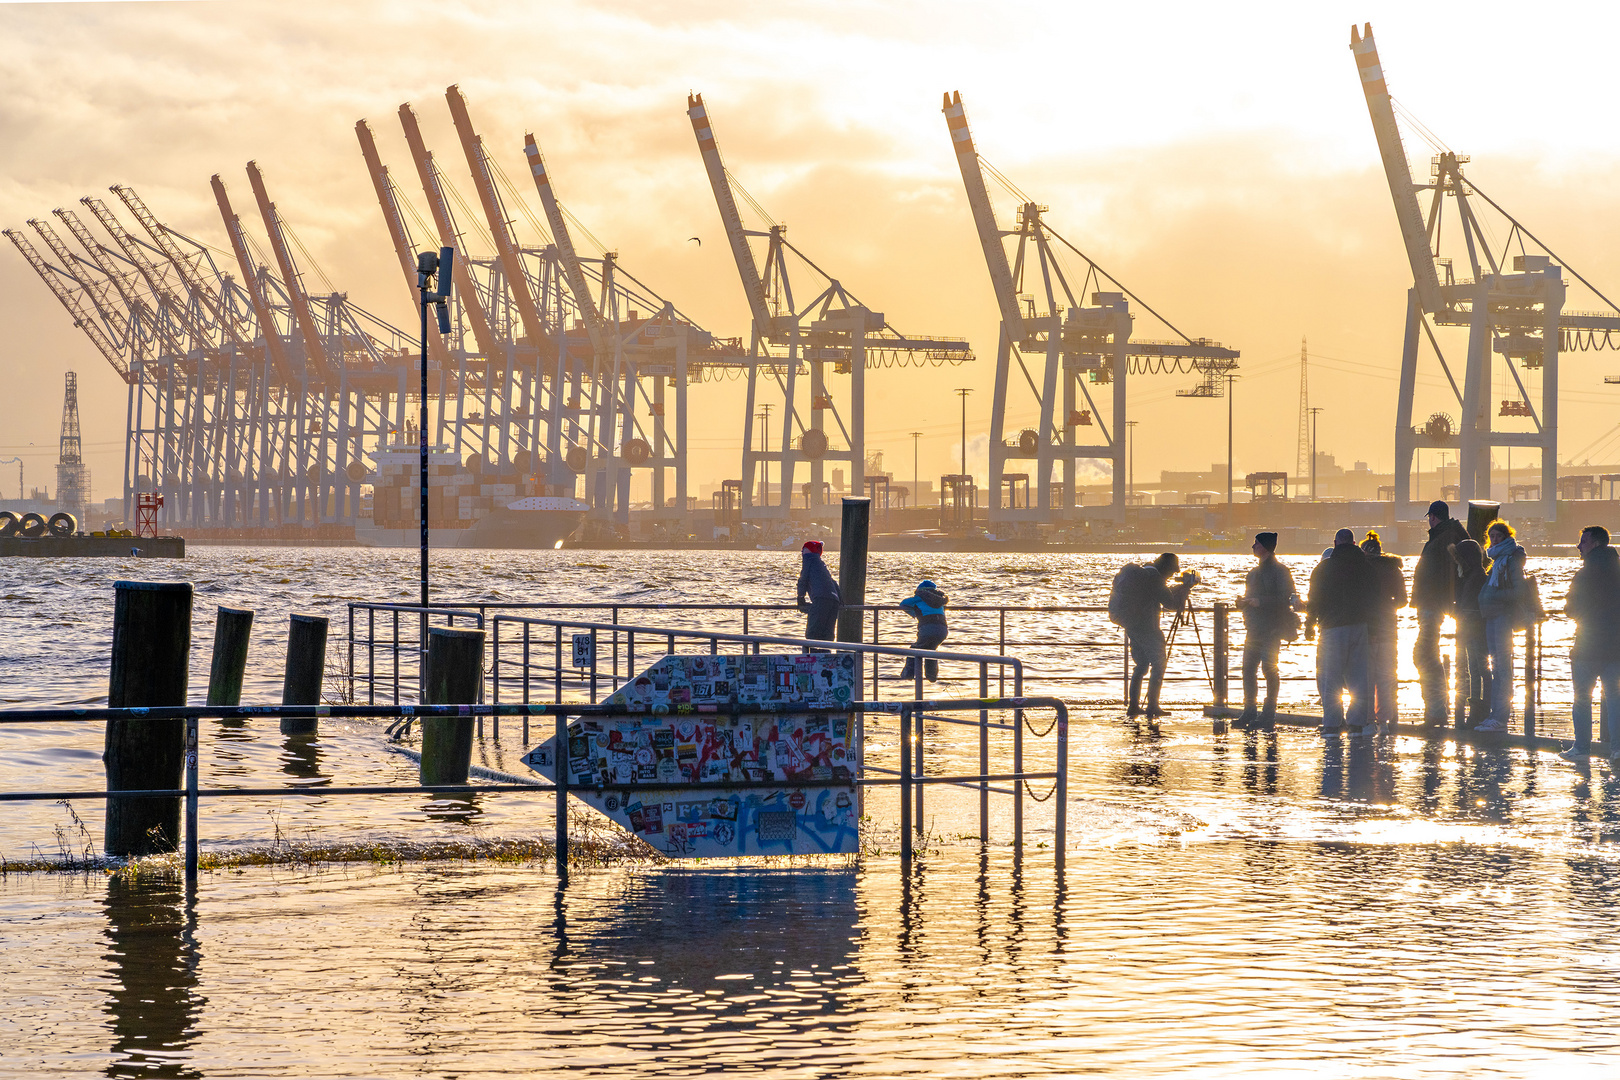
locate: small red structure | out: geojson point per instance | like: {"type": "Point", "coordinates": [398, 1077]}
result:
{"type": "Point", "coordinates": [146, 508]}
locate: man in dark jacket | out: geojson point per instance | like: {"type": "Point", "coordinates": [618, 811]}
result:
{"type": "Point", "coordinates": [1269, 602]}
{"type": "Point", "coordinates": [1388, 597]}
{"type": "Point", "coordinates": [818, 594]}
{"type": "Point", "coordinates": [1341, 588]}
{"type": "Point", "coordinates": [1594, 603]}
{"type": "Point", "coordinates": [1139, 594]}
{"type": "Point", "coordinates": [1434, 584]}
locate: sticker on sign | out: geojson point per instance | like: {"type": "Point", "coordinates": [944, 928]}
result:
{"type": "Point", "coordinates": [584, 650]}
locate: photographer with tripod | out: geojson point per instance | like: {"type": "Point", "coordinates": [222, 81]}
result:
{"type": "Point", "coordinates": [1139, 593]}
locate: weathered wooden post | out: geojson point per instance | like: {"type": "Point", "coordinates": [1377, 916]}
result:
{"type": "Point", "coordinates": [1481, 512]}
{"type": "Point", "coordinates": [852, 547]}
{"type": "Point", "coordinates": [1531, 678]}
{"type": "Point", "coordinates": [232, 627]}
{"type": "Point", "coordinates": [1222, 670]}
{"type": "Point", "coordinates": [453, 674]}
{"type": "Point", "coordinates": [306, 667]}
{"type": "Point", "coordinates": [150, 651]}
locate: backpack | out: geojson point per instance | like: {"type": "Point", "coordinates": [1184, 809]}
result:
{"type": "Point", "coordinates": [1122, 596]}
{"type": "Point", "coordinates": [1527, 607]}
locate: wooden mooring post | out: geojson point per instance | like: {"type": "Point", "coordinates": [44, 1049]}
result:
{"type": "Point", "coordinates": [1221, 688]}
{"type": "Point", "coordinates": [150, 651]}
{"type": "Point", "coordinates": [306, 668]}
{"type": "Point", "coordinates": [453, 675]}
{"type": "Point", "coordinates": [232, 628]}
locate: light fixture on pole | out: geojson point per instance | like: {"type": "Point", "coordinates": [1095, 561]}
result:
{"type": "Point", "coordinates": [431, 265]}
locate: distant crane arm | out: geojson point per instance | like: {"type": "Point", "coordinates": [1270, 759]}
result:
{"type": "Point", "coordinates": [1397, 170]}
{"type": "Point", "coordinates": [250, 277]}
{"type": "Point", "coordinates": [747, 268]}
{"type": "Point", "coordinates": [71, 300]}
{"type": "Point", "coordinates": [307, 330]}
{"type": "Point", "coordinates": [984, 216]}
{"type": "Point", "coordinates": [572, 268]}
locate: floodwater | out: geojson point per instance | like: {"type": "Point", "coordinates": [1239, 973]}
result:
{"type": "Point", "coordinates": [1241, 904]}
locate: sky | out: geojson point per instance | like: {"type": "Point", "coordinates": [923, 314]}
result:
{"type": "Point", "coordinates": [1217, 159]}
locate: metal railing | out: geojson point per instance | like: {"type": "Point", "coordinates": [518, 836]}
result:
{"type": "Point", "coordinates": [911, 780]}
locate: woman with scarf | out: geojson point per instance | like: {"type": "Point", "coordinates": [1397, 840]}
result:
{"type": "Point", "coordinates": [1499, 602]}
{"type": "Point", "coordinates": [927, 605]}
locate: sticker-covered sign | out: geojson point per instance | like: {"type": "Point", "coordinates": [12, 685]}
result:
{"type": "Point", "coordinates": [665, 739]}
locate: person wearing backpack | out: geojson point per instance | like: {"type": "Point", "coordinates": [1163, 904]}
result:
{"type": "Point", "coordinates": [1594, 603]}
{"type": "Point", "coordinates": [1140, 591]}
{"type": "Point", "coordinates": [1500, 604]}
{"type": "Point", "coordinates": [1268, 605]}
{"type": "Point", "coordinates": [818, 596]}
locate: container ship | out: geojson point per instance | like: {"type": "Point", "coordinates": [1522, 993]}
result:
{"type": "Point", "coordinates": [469, 506]}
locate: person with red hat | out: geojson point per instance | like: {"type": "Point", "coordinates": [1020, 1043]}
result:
{"type": "Point", "coordinates": [819, 598]}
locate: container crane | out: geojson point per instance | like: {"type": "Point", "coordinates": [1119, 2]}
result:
{"type": "Point", "coordinates": [789, 338]}
{"type": "Point", "coordinates": [1085, 345]}
{"type": "Point", "coordinates": [304, 319]}
{"type": "Point", "coordinates": [78, 309]}
{"type": "Point", "coordinates": [1515, 314]}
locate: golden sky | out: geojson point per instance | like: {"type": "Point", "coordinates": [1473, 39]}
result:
{"type": "Point", "coordinates": [1216, 158]}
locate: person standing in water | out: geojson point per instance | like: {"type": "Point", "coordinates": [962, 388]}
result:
{"type": "Point", "coordinates": [1499, 599]}
{"type": "Point", "coordinates": [1140, 591]}
{"type": "Point", "coordinates": [927, 605]}
{"type": "Point", "coordinates": [819, 598]}
{"type": "Point", "coordinates": [1474, 676]}
{"type": "Point", "coordinates": [1389, 596]}
{"type": "Point", "coordinates": [1269, 602]}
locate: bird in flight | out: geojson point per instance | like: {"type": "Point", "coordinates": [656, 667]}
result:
{"type": "Point", "coordinates": [689, 239]}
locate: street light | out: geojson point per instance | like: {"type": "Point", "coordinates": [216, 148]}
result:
{"type": "Point", "coordinates": [916, 484]}
{"type": "Point", "coordinates": [1230, 379]}
{"type": "Point", "coordinates": [1130, 461]}
{"type": "Point", "coordinates": [429, 264]}
{"type": "Point", "coordinates": [963, 392]}
{"type": "Point", "coordinates": [1314, 412]}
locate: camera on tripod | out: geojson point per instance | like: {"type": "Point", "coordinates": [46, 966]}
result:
{"type": "Point", "coordinates": [1190, 577]}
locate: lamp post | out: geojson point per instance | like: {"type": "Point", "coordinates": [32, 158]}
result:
{"type": "Point", "coordinates": [1230, 379]}
{"type": "Point", "coordinates": [429, 264]}
{"type": "Point", "coordinates": [1130, 462]}
{"type": "Point", "coordinates": [765, 450]}
{"type": "Point", "coordinates": [916, 483]}
{"type": "Point", "coordinates": [1314, 413]}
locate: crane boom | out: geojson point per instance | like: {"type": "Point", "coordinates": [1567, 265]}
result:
{"type": "Point", "coordinates": [1397, 170]}
{"type": "Point", "coordinates": [250, 277]}
{"type": "Point", "coordinates": [388, 199]}
{"type": "Point", "coordinates": [97, 292]}
{"type": "Point", "coordinates": [70, 300]}
{"type": "Point", "coordinates": [99, 255]}
{"type": "Point", "coordinates": [984, 217]}
{"type": "Point", "coordinates": [575, 272]}
{"type": "Point", "coordinates": [155, 281]}
{"type": "Point", "coordinates": [747, 269]}
{"type": "Point", "coordinates": [511, 262]}
{"type": "Point", "coordinates": [314, 350]}
{"type": "Point", "coordinates": [429, 174]}
{"type": "Point", "coordinates": [193, 281]}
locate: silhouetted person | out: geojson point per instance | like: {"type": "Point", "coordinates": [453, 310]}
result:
{"type": "Point", "coordinates": [927, 605]}
{"type": "Point", "coordinates": [1139, 593]}
{"type": "Point", "coordinates": [1499, 604]}
{"type": "Point", "coordinates": [1434, 585]}
{"type": "Point", "coordinates": [1269, 602]}
{"type": "Point", "coordinates": [1341, 590]}
{"type": "Point", "coordinates": [818, 594]}
{"type": "Point", "coordinates": [1388, 597]}
{"type": "Point", "coordinates": [1473, 669]}
{"type": "Point", "coordinates": [1594, 603]}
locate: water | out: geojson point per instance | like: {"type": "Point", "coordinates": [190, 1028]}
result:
{"type": "Point", "coordinates": [1235, 905]}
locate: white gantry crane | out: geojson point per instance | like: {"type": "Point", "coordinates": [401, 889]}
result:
{"type": "Point", "coordinates": [1086, 346]}
{"type": "Point", "coordinates": [1511, 302]}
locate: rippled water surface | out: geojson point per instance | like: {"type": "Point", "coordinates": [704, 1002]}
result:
{"type": "Point", "coordinates": [1234, 905]}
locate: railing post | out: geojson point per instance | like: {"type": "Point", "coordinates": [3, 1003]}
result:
{"type": "Point", "coordinates": [984, 755]}
{"type": "Point", "coordinates": [306, 665]}
{"type": "Point", "coordinates": [351, 652]}
{"type": "Point", "coordinates": [922, 717]}
{"type": "Point", "coordinates": [371, 656]}
{"type": "Point", "coordinates": [232, 628]}
{"type": "Point", "coordinates": [560, 755]}
{"type": "Point", "coordinates": [1222, 671]}
{"type": "Point", "coordinates": [558, 669]}
{"type": "Point", "coordinates": [151, 644]}
{"type": "Point", "coordinates": [1061, 841]}
{"type": "Point", "coordinates": [905, 785]}
{"type": "Point", "coordinates": [451, 675]}
{"type": "Point", "coordinates": [1530, 634]}
{"type": "Point", "coordinates": [191, 802]}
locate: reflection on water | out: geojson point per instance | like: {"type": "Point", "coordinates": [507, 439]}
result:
{"type": "Point", "coordinates": [152, 958]}
{"type": "Point", "coordinates": [301, 758]}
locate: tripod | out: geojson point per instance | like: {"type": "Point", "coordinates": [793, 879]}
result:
{"type": "Point", "coordinates": [1185, 616]}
